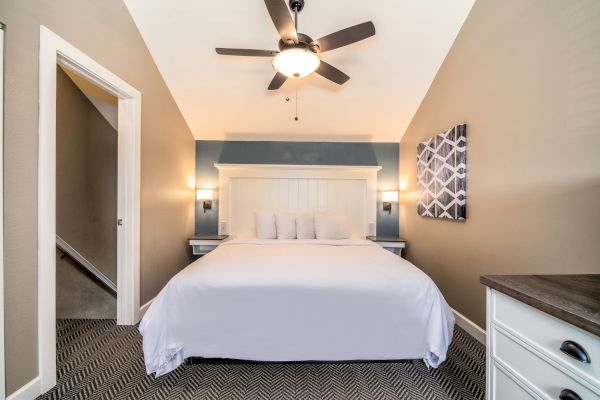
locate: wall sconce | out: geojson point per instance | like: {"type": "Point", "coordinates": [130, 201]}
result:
{"type": "Point", "coordinates": [388, 198]}
{"type": "Point", "coordinates": [206, 195]}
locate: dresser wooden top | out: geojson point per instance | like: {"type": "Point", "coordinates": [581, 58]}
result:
{"type": "Point", "coordinates": [571, 298]}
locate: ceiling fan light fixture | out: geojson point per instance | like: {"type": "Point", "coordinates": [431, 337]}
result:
{"type": "Point", "coordinates": [296, 63]}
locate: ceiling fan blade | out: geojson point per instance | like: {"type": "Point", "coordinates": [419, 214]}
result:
{"type": "Point", "coordinates": [346, 36]}
{"type": "Point", "coordinates": [246, 52]}
{"type": "Point", "coordinates": [332, 73]}
{"type": "Point", "coordinates": [277, 81]}
{"type": "Point", "coordinates": [282, 19]}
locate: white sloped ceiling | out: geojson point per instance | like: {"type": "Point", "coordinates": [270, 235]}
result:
{"type": "Point", "coordinates": [226, 97]}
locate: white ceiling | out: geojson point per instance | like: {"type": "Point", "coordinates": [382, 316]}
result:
{"type": "Point", "coordinates": [226, 97]}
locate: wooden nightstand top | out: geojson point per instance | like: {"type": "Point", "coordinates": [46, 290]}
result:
{"type": "Point", "coordinates": [385, 239]}
{"type": "Point", "coordinates": [209, 237]}
{"type": "Point", "coordinates": [205, 243]}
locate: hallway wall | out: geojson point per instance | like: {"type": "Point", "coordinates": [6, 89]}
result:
{"type": "Point", "coordinates": [86, 177]}
{"type": "Point", "coordinates": [86, 201]}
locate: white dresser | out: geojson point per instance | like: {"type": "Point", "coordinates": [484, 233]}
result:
{"type": "Point", "coordinates": [534, 355]}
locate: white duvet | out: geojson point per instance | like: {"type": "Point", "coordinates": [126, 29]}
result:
{"type": "Point", "coordinates": [297, 300]}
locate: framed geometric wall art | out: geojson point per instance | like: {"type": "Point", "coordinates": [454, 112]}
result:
{"type": "Point", "coordinates": [442, 175]}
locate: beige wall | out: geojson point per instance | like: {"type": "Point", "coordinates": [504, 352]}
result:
{"type": "Point", "coordinates": [525, 76]}
{"type": "Point", "coordinates": [103, 30]}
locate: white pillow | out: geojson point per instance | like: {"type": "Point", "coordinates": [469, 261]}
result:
{"type": "Point", "coordinates": [305, 226]}
{"type": "Point", "coordinates": [265, 225]}
{"type": "Point", "coordinates": [331, 227]}
{"type": "Point", "coordinates": [286, 225]}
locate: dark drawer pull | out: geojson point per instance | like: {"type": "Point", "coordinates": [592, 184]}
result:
{"type": "Point", "coordinates": [568, 394]}
{"type": "Point", "coordinates": [575, 350]}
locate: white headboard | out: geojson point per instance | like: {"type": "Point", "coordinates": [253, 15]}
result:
{"type": "Point", "coordinates": [346, 190]}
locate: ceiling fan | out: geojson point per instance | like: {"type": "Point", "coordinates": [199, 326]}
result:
{"type": "Point", "coordinates": [298, 54]}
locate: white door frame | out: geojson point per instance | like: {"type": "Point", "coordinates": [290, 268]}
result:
{"type": "Point", "coordinates": [2, 376]}
{"type": "Point", "coordinates": [56, 51]}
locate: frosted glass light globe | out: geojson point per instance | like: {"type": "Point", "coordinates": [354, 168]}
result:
{"type": "Point", "coordinates": [296, 63]}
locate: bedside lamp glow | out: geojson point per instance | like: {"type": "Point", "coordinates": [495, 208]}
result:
{"type": "Point", "coordinates": [403, 185]}
{"type": "Point", "coordinates": [206, 195]}
{"type": "Point", "coordinates": [388, 198]}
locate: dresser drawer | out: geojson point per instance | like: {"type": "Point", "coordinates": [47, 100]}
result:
{"type": "Point", "coordinates": [546, 334]}
{"type": "Point", "coordinates": [545, 377]}
{"type": "Point", "coordinates": [506, 387]}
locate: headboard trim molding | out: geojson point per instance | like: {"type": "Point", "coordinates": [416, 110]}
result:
{"type": "Point", "coordinates": [221, 166]}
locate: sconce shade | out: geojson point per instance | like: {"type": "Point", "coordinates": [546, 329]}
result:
{"type": "Point", "coordinates": [389, 196]}
{"type": "Point", "coordinates": [204, 194]}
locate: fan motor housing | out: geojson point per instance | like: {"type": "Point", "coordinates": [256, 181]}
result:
{"type": "Point", "coordinates": [304, 42]}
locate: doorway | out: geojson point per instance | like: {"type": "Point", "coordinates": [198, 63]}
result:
{"type": "Point", "coordinates": [86, 199]}
{"type": "Point", "coordinates": [55, 51]}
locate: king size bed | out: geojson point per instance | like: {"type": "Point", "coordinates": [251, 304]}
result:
{"type": "Point", "coordinates": [295, 300]}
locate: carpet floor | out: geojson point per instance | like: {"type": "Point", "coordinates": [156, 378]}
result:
{"type": "Point", "coordinates": [99, 360]}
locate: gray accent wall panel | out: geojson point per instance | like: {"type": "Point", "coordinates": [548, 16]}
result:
{"type": "Point", "coordinates": [209, 152]}
{"type": "Point", "coordinates": [207, 176]}
{"type": "Point", "coordinates": [300, 153]}
{"type": "Point", "coordinates": [388, 156]}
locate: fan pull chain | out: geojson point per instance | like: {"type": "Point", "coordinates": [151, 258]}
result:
{"type": "Point", "coordinates": [296, 117]}
{"type": "Point", "coordinates": [288, 99]}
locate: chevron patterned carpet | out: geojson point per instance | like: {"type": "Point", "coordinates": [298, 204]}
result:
{"type": "Point", "coordinates": [100, 360]}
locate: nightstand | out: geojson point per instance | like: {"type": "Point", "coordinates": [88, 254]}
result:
{"type": "Point", "coordinates": [204, 244]}
{"type": "Point", "coordinates": [393, 244]}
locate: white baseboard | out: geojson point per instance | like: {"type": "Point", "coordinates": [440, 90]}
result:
{"type": "Point", "coordinates": [29, 391]}
{"type": "Point", "coordinates": [144, 308]}
{"type": "Point", "coordinates": [471, 327]}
